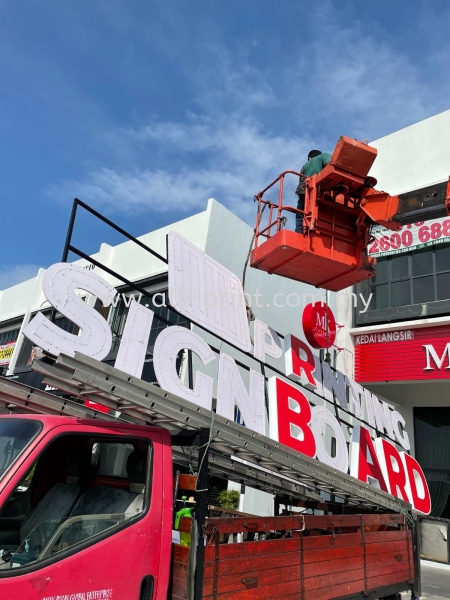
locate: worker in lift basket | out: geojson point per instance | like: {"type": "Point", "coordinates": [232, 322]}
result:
{"type": "Point", "coordinates": [316, 162]}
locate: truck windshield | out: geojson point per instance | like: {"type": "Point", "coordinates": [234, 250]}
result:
{"type": "Point", "coordinates": [15, 435]}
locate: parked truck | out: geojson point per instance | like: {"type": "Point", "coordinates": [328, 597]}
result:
{"type": "Point", "coordinates": [88, 499]}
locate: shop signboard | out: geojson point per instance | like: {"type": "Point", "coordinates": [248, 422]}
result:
{"type": "Point", "coordinates": [319, 325]}
{"type": "Point", "coordinates": [413, 236]}
{"type": "Point", "coordinates": [211, 296]}
{"type": "Point", "coordinates": [419, 354]}
{"type": "Point", "coordinates": [6, 352]}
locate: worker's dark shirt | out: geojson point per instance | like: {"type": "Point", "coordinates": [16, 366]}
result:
{"type": "Point", "coordinates": [316, 164]}
{"type": "Point", "coordinates": [312, 167]}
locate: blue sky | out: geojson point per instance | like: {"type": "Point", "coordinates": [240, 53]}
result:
{"type": "Point", "coordinates": [146, 109]}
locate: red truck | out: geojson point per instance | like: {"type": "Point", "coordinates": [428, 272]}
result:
{"type": "Point", "coordinates": [87, 503]}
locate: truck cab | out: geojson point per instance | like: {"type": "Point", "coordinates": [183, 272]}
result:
{"type": "Point", "coordinates": [85, 509]}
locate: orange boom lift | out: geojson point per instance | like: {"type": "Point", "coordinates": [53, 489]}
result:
{"type": "Point", "coordinates": [341, 205]}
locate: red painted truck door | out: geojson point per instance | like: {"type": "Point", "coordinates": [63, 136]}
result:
{"type": "Point", "coordinates": [100, 519]}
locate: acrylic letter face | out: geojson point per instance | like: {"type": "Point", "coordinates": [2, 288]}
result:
{"type": "Point", "coordinates": [59, 285]}
{"type": "Point", "coordinates": [203, 290]}
{"type": "Point", "coordinates": [290, 417]}
{"type": "Point", "coordinates": [169, 343]}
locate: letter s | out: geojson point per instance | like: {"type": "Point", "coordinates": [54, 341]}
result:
{"type": "Point", "coordinates": [59, 284]}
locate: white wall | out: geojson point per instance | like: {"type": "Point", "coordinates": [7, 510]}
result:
{"type": "Point", "coordinates": [16, 300]}
{"type": "Point", "coordinates": [414, 157]}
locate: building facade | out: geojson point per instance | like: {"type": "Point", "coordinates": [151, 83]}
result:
{"type": "Point", "coordinates": [400, 345]}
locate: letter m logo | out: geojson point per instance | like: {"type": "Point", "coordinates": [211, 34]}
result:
{"type": "Point", "coordinates": [431, 354]}
{"type": "Point", "coordinates": [320, 321]}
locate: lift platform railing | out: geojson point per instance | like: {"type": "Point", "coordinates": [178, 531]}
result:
{"type": "Point", "coordinates": [340, 205]}
{"type": "Point", "coordinates": [266, 232]}
{"type": "Point", "coordinates": [348, 202]}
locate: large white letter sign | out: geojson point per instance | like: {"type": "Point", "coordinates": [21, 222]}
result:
{"type": "Point", "coordinates": [356, 392]}
{"type": "Point", "coordinates": [133, 345]}
{"type": "Point", "coordinates": [290, 417]}
{"type": "Point", "coordinates": [231, 391]}
{"type": "Point", "coordinates": [59, 284]}
{"type": "Point", "coordinates": [267, 341]}
{"type": "Point", "coordinates": [401, 435]}
{"type": "Point", "coordinates": [334, 385]}
{"type": "Point", "coordinates": [364, 463]}
{"type": "Point", "coordinates": [383, 417]}
{"type": "Point", "coordinates": [169, 343]}
{"type": "Point", "coordinates": [438, 360]}
{"type": "Point", "coordinates": [370, 410]}
{"type": "Point", "coordinates": [320, 418]}
{"type": "Point", "coordinates": [202, 289]}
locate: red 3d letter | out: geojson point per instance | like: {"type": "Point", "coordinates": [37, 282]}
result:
{"type": "Point", "coordinates": [290, 417]}
{"type": "Point", "coordinates": [416, 487]}
{"type": "Point", "coordinates": [392, 468]}
{"type": "Point", "coordinates": [364, 463]}
{"type": "Point", "coordinates": [298, 368]}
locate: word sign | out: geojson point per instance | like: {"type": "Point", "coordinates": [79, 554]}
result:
{"type": "Point", "coordinates": [410, 237]}
{"type": "Point", "coordinates": [292, 420]}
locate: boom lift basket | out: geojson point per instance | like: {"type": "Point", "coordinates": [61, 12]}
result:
{"type": "Point", "coordinates": [340, 207]}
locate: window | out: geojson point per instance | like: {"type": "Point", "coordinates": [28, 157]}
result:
{"type": "Point", "coordinates": [83, 490]}
{"type": "Point", "coordinates": [381, 296]}
{"type": "Point", "coordinates": [399, 267]}
{"type": "Point", "coordinates": [15, 435]}
{"type": "Point", "coordinates": [400, 293]}
{"type": "Point", "coordinates": [408, 279]}
{"type": "Point", "coordinates": [7, 346]}
{"type": "Point", "coordinates": [422, 262]}
{"type": "Point", "coordinates": [9, 336]}
{"type": "Point", "coordinates": [432, 442]}
{"type": "Point", "coordinates": [110, 459]}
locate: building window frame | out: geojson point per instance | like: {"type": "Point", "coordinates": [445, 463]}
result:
{"type": "Point", "coordinates": [414, 307]}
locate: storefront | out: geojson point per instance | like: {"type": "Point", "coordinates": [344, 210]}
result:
{"type": "Point", "coordinates": [401, 343]}
{"type": "Point", "coordinates": [409, 365]}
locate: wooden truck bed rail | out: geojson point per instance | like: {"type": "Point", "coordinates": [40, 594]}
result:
{"type": "Point", "coordinates": [309, 558]}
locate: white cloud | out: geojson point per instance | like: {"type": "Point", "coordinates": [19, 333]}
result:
{"type": "Point", "coordinates": [350, 81]}
{"type": "Point", "coordinates": [236, 159]}
{"type": "Point", "coordinates": [361, 78]}
{"type": "Point", "coordinates": [10, 276]}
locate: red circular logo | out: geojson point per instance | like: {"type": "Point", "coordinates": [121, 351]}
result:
{"type": "Point", "coordinates": [318, 332]}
